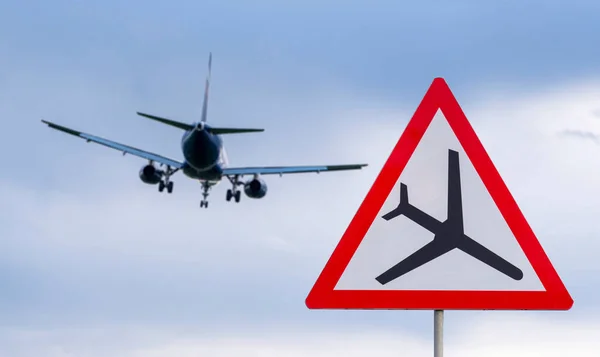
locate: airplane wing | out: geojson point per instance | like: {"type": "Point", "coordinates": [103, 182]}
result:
{"type": "Point", "coordinates": [120, 147]}
{"type": "Point", "coordinates": [280, 170]}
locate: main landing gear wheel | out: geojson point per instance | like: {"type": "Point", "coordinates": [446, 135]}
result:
{"type": "Point", "coordinates": [237, 194]}
{"type": "Point", "coordinates": [166, 182]}
{"type": "Point", "coordinates": [234, 192]}
{"type": "Point", "coordinates": [204, 204]}
{"type": "Point", "coordinates": [168, 185]}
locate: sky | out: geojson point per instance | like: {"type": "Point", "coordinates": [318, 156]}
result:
{"type": "Point", "coordinates": [93, 262]}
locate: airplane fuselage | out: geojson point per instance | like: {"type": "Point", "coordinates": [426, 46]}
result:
{"type": "Point", "coordinates": [204, 154]}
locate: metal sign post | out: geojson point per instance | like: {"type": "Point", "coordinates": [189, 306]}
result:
{"type": "Point", "coordinates": [438, 333]}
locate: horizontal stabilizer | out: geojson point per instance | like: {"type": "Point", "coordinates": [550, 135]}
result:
{"type": "Point", "coordinates": [185, 126]}
{"type": "Point", "coordinates": [170, 122]}
{"type": "Point", "coordinates": [219, 131]}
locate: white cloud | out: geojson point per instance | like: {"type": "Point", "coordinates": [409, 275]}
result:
{"type": "Point", "coordinates": [492, 334]}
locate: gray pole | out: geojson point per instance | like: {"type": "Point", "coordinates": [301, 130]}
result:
{"type": "Point", "coordinates": [438, 333]}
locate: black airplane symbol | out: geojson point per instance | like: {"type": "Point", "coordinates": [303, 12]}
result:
{"type": "Point", "coordinates": [448, 234]}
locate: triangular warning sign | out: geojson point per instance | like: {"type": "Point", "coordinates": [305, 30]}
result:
{"type": "Point", "coordinates": [439, 229]}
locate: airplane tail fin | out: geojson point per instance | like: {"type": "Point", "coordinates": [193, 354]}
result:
{"type": "Point", "coordinates": [200, 125]}
{"type": "Point", "coordinates": [402, 206]}
{"type": "Point", "coordinates": [206, 88]}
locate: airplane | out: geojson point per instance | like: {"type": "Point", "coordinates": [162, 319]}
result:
{"type": "Point", "coordinates": [448, 235]}
{"type": "Point", "coordinates": [205, 158]}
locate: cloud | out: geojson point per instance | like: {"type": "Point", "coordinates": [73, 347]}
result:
{"type": "Point", "coordinates": [585, 135]}
{"type": "Point", "coordinates": [491, 334]}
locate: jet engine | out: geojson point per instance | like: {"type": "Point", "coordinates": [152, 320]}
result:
{"type": "Point", "coordinates": [150, 175]}
{"type": "Point", "coordinates": [255, 188]}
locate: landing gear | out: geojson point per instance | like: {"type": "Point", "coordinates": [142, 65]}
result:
{"type": "Point", "coordinates": [234, 192]}
{"type": "Point", "coordinates": [166, 181]}
{"type": "Point", "coordinates": [231, 193]}
{"type": "Point", "coordinates": [205, 188]}
{"type": "Point", "coordinates": [168, 185]}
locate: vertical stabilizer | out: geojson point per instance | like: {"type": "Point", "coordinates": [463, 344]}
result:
{"type": "Point", "coordinates": [206, 88]}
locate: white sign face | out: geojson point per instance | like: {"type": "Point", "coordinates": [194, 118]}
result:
{"type": "Point", "coordinates": [445, 266]}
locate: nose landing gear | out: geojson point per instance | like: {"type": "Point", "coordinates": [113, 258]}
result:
{"type": "Point", "coordinates": [205, 188]}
